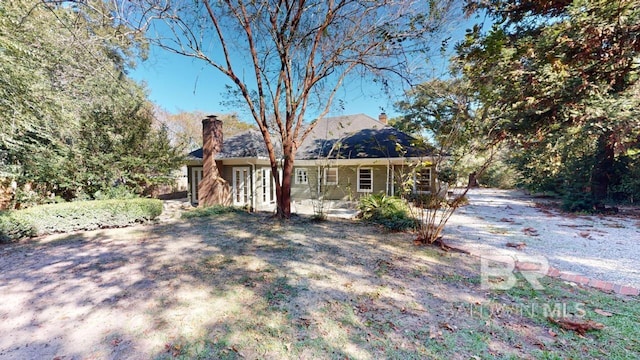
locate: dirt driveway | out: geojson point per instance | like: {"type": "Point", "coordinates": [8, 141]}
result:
{"type": "Point", "coordinates": [603, 247]}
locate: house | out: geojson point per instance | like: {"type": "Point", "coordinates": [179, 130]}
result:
{"type": "Point", "coordinates": [341, 159]}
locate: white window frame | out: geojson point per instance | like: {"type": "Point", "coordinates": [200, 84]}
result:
{"type": "Point", "coordinates": [415, 180]}
{"type": "Point", "coordinates": [302, 181]}
{"type": "Point", "coordinates": [360, 189]}
{"type": "Point", "coordinates": [326, 171]}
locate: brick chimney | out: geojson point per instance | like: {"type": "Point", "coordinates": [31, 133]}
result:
{"type": "Point", "coordinates": [382, 118]}
{"type": "Point", "coordinates": [213, 189]}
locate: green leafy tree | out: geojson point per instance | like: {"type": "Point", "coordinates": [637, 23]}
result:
{"type": "Point", "coordinates": [561, 80]}
{"type": "Point", "coordinates": [72, 121]}
{"type": "Point", "coordinates": [444, 112]}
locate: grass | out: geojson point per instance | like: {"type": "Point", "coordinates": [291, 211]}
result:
{"type": "Point", "coordinates": [235, 285]}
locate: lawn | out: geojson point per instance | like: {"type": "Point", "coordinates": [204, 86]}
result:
{"type": "Point", "coordinates": [238, 285]}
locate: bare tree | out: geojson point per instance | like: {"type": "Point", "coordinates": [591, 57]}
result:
{"type": "Point", "coordinates": [285, 56]}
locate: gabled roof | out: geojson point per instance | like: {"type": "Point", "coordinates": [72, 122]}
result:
{"type": "Point", "coordinates": [358, 137]}
{"type": "Point", "coordinates": [343, 137]}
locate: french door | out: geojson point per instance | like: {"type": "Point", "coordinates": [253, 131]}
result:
{"type": "Point", "coordinates": [241, 186]}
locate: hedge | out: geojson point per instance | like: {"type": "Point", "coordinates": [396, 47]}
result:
{"type": "Point", "coordinates": [211, 210]}
{"type": "Point", "coordinates": [72, 216]}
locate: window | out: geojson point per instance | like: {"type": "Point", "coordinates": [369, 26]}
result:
{"type": "Point", "coordinates": [331, 176]}
{"type": "Point", "coordinates": [365, 180]}
{"type": "Point", "coordinates": [301, 176]}
{"type": "Point", "coordinates": [422, 180]}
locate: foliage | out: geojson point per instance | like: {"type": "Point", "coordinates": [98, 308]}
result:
{"type": "Point", "coordinates": [500, 175]}
{"type": "Point", "coordinates": [299, 54]}
{"type": "Point", "coordinates": [447, 175]}
{"type": "Point", "coordinates": [185, 127]}
{"type": "Point", "coordinates": [76, 124]}
{"type": "Point", "coordinates": [628, 187]}
{"type": "Point", "coordinates": [14, 227]}
{"type": "Point", "coordinates": [444, 111]}
{"type": "Point", "coordinates": [116, 192]}
{"type": "Point", "coordinates": [210, 211]}
{"type": "Point", "coordinates": [560, 80]}
{"type": "Point", "coordinates": [79, 215]}
{"type": "Point", "coordinates": [388, 211]}
{"type": "Point", "coordinates": [436, 109]}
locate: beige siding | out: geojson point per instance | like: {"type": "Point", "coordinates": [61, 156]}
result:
{"type": "Point", "coordinates": [347, 187]}
{"type": "Point", "coordinates": [305, 191]}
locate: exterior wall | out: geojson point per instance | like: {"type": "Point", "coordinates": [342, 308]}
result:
{"type": "Point", "coordinates": [345, 190]}
{"type": "Point", "coordinates": [305, 191]}
{"type": "Point", "coordinates": [347, 187]}
{"type": "Point", "coordinates": [226, 171]}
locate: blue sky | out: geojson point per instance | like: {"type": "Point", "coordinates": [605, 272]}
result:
{"type": "Point", "coordinates": [179, 83]}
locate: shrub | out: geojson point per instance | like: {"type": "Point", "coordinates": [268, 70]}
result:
{"type": "Point", "coordinates": [14, 227]}
{"type": "Point", "coordinates": [79, 215]}
{"type": "Point", "coordinates": [209, 211]}
{"type": "Point", "coordinates": [578, 202]}
{"type": "Point", "coordinates": [114, 192]}
{"type": "Point", "coordinates": [388, 211]}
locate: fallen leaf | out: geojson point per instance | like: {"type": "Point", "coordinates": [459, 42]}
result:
{"type": "Point", "coordinates": [518, 246]}
{"type": "Point", "coordinates": [584, 234]}
{"type": "Point", "coordinates": [581, 327]}
{"type": "Point", "coordinates": [446, 326]}
{"type": "Point", "coordinates": [602, 312]}
{"type": "Point", "coordinates": [552, 333]}
{"type": "Point", "coordinates": [530, 231]}
{"type": "Point", "coordinates": [507, 220]}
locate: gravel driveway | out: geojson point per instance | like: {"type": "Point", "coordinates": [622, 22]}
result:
{"type": "Point", "coordinates": [600, 247]}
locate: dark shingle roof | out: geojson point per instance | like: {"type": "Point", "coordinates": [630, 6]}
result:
{"type": "Point", "coordinates": [245, 144]}
{"type": "Point", "coordinates": [344, 137]}
{"type": "Point", "coordinates": [358, 137]}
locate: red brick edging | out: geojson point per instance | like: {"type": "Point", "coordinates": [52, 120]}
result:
{"type": "Point", "coordinates": [594, 283]}
{"type": "Point", "coordinates": [553, 272]}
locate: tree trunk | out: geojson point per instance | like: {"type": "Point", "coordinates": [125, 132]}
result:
{"type": "Point", "coordinates": [284, 195]}
{"type": "Point", "coordinates": [603, 169]}
{"type": "Point", "coordinates": [473, 180]}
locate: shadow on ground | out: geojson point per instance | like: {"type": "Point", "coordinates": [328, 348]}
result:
{"type": "Point", "coordinates": [244, 286]}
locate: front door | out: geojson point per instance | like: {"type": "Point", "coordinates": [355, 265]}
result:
{"type": "Point", "coordinates": [241, 186]}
